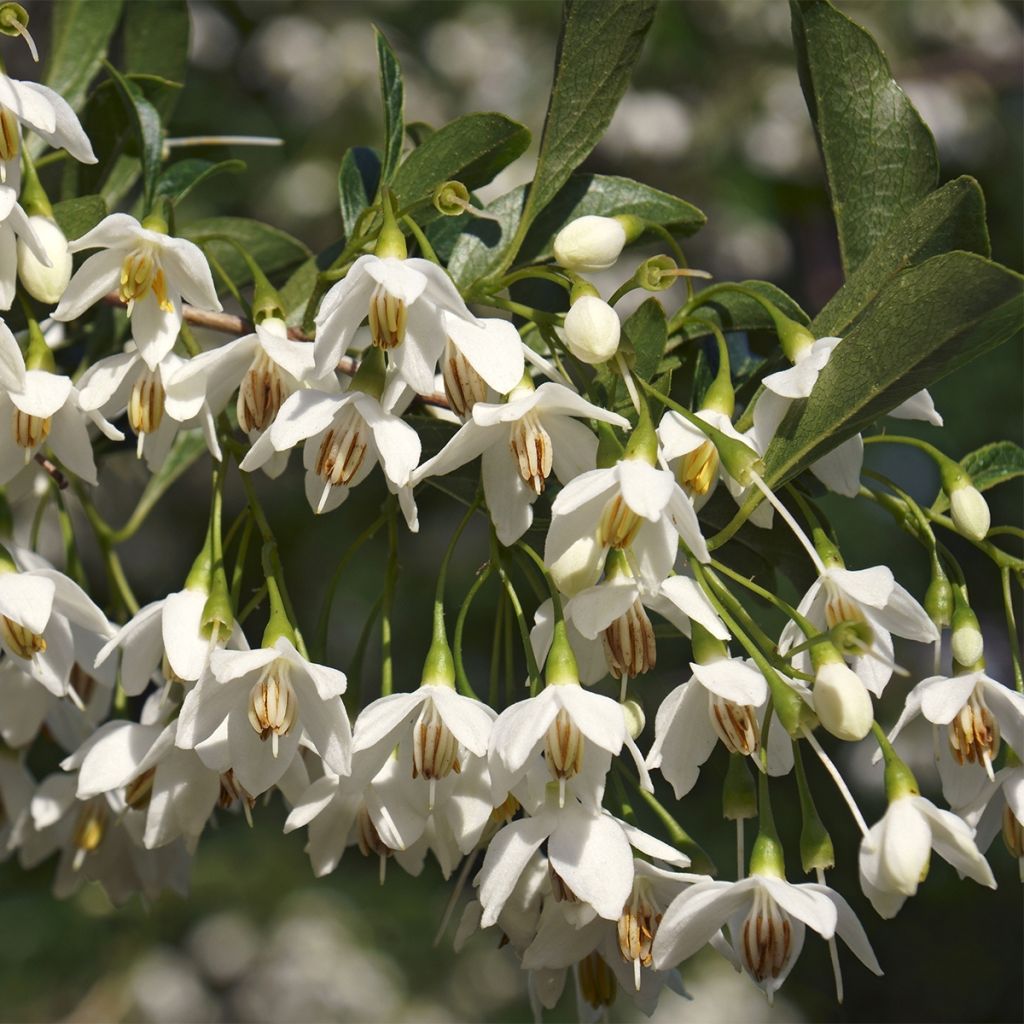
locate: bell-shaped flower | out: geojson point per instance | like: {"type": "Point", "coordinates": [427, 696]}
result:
{"type": "Point", "coordinates": [895, 853]}
{"type": "Point", "coordinates": [767, 918]}
{"type": "Point", "coordinates": [150, 270]}
{"type": "Point", "coordinates": [404, 301]}
{"type": "Point", "coordinates": [999, 807]}
{"type": "Point", "coordinates": [872, 598]}
{"type": "Point", "coordinates": [522, 441]}
{"type": "Point", "coordinates": [269, 698]}
{"type": "Point", "coordinates": [481, 359]}
{"type": "Point", "coordinates": [631, 506]}
{"type": "Point", "coordinates": [724, 700]}
{"type": "Point", "coordinates": [345, 436]}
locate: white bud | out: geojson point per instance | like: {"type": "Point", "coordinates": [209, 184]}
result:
{"type": "Point", "coordinates": [592, 330]}
{"type": "Point", "coordinates": [578, 567]}
{"type": "Point", "coordinates": [967, 644]}
{"type": "Point", "coordinates": [45, 284]}
{"type": "Point", "coordinates": [589, 243]}
{"type": "Point", "coordinates": [970, 512]}
{"type": "Point", "coordinates": [841, 702]}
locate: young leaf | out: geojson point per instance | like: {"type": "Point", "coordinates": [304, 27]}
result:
{"type": "Point", "coordinates": [273, 249]}
{"type": "Point", "coordinates": [392, 95]}
{"type": "Point", "coordinates": [879, 155]}
{"type": "Point", "coordinates": [146, 126]}
{"type": "Point", "coordinates": [471, 149]}
{"type": "Point", "coordinates": [951, 217]}
{"type": "Point", "coordinates": [599, 44]}
{"type": "Point", "coordinates": [80, 36]}
{"type": "Point", "coordinates": [178, 180]}
{"type": "Point", "coordinates": [988, 466]}
{"type": "Point", "coordinates": [77, 216]}
{"type": "Point", "coordinates": [645, 330]}
{"type": "Point", "coordinates": [156, 43]}
{"type": "Point", "coordinates": [358, 178]}
{"type": "Point", "coordinates": [926, 322]}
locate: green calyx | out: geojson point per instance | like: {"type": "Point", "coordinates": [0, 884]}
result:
{"type": "Point", "coordinates": [617, 564]}
{"type": "Point", "coordinates": [767, 856]}
{"type": "Point", "coordinates": [938, 598]}
{"type": "Point", "coordinates": [739, 460]}
{"type": "Point", "coordinates": [633, 225]}
{"type": "Point", "coordinates": [793, 337]}
{"type": "Point", "coordinates": [609, 447]}
{"type": "Point", "coordinates": [439, 665]}
{"type": "Point", "coordinates": [899, 779]}
{"type": "Point", "coordinates": [561, 668]}
{"type": "Point", "coordinates": [266, 302]}
{"type": "Point", "coordinates": [279, 623]}
{"type": "Point", "coordinates": [825, 652]}
{"type": "Point", "coordinates": [156, 221]}
{"type": "Point", "coordinates": [523, 388]}
{"type": "Point", "coordinates": [827, 550]}
{"type": "Point", "coordinates": [450, 198]}
{"type": "Point", "coordinates": [739, 793]}
{"type": "Point", "coordinates": [34, 200]}
{"type": "Point", "coordinates": [13, 19]}
{"type": "Point", "coordinates": [643, 441]}
{"type": "Point", "coordinates": [390, 241]}
{"type": "Point", "coordinates": [369, 377]}
{"type": "Point", "coordinates": [706, 648]}
{"type": "Point", "coordinates": [656, 274]}
{"type": "Point", "coordinates": [38, 355]}
{"type": "Point", "coordinates": [582, 289]}
{"type": "Point", "coordinates": [816, 848]}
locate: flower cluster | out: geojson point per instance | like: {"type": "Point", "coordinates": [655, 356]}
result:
{"type": "Point", "coordinates": [595, 485]}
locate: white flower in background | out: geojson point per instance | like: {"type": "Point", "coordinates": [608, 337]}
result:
{"type": "Point", "coordinates": [976, 714]}
{"type": "Point", "coordinates": [43, 408]}
{"type": "Point", "coordinates": [16, 788]}
{"type": "Point", "coordinates": [766, 916]}
{"type": "Point", "coordinates": [873, 598]}
{"type": "Point", "coordinates": [151, 271]}
{"type": "Point", "coordinates": [405, 300]}
{"type": "Point", "coordinates": [345, 436]}
{"type": "Point", "coordinates": [269, 699]}
{"type": "Point", "coordinates": [522, 441]}
{"type": "Point", "coordinates": [592, 330]}
{"type": "Point", "coordinates": [125, 383]}
{"type": "Point", "coordinates": [44, 279]}
{"type": "Point", "coordinates": [631, 506]}
{"type": "Point", "coordinates": [999, 806]}
{"type": "Point", "coordinates": [589, 243]}
{"type": "Point", "coordinates": [724, 700]}
{"type": "Point", "coordinates": [894, 855]}
{"type": "Point", "coordinates": [17, 231]}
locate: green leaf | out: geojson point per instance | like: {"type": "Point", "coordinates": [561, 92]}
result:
{"type": "Point", "coordinates": [471, 149]}
{"type": "Point", "coordinates": [926, 322]}
{"type": "Point", "coordinates": [358, 178]}
{"type": "Point", "coordinates": [392, 95]}
{"type": "Point", "coordinates": [598, 46]}
{"type": "Point", "coordinates": [988, 466]}
{"type": "Point", "coordinates": [156, 43]}
{"type": "Point", "coordinates": [180, 178]}
{"type": "Point", "coordinates": [296, 292]}
{"type": "Point", "coordinates": [951, 217]}
{"type": "Point", "coordinates": [879, 155]}
{"type": "Point", "coordinates": [733, 311]}
{"type": "Point", "coordinates": [273, 249]}
{"type": "Point", "coordinates": [78, 43]}
{"type": "Point", "coordinates": [147, 128]}
{"type": "Point", "coordinates": [645, 330]}
{"type": "Point", "coordinates": [77, 216]}
{"type": "Point", "coordinates": [480, 250]}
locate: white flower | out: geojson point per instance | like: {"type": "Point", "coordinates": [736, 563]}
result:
{"type": "Point", "coordinates": [522, 441]}
{"type": "Point", "coordinates": [405, 301]}
{"type": "Point", "coordinates": [841, 701]}
{"type": "Point", "coordinates": [894, 854]}
{"type": "Point", "coordinates": [970, 511]}
{"type": "Point", "coordinates": [44, 279]}
{"type": "Point", "coordinates": [631, 506]}
{"type": "Point", "coordinates": [43, 408]}
{"type": "Point", "coordinates": [17, 232]}
{"type": "Point", "coordinates": [766, 917]}
{"type": "Point", "coordinates": [724, 700]}
{"type": "Point", "coordinates": [345, 436]}
{"type": "Point", "coordinates": [481, 358]}
{"type": "Point", "coordinates": [151, 271]}
{"type": "Point", "coordinates": [592, 330]}
{"type": "Point", "coordinates": [869, 596]}
{"type": "Point", "coordinates": [269, 698]}
{"type": "Point", "coordinates": [589, 243]}
{"type": "Point", "coordinates": [999, 805]}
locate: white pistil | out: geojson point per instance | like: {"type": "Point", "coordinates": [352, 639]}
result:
{"type": "Point", "coordinates": [790, 522]}
{"type": "Point", "coordinates": [833, 949]}
{"type": "Point", "coordinates": [844, 790]}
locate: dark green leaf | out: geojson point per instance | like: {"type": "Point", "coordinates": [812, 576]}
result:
{"type": "Point", "coordinates": [480, 250]}
{"type": "Point", "coordinates": [734, 311]}
{"type": "Point", "coordinates": [926, 322]}
{"type": "Point", "coordinates": [296, 292]}
{"type": "Point", "coordinates": [392, 95]}
{"type": "Point", "coordinates": [156, 43]}
{"type": "Point", "coordinates": [599, 44]}
{"type": "Point", "coordinates": [988, 466]}
{"type": "Point", "coordinates": [471, 149]}
{"type": "Point", "coordinates": [146, 125]}
{"type": "Point", "coordinates": [180, 178]}
{"type": "Point", "coordinates": [78, 43]}
{"type": "Point", "coordinates": [358, 178]}
{"type": "Point", "coordinates": [77, 216]}
{"type": "Point", "coordinates": [879, 155]}
{"type": "Point", "coordinates": [419, 132]}
{"type": "Point", "coordinates": [274, 250]}
{"type": "Point", "coordinates": [645, 330]}
{"type": "Point", "coordinates": [951, 217]}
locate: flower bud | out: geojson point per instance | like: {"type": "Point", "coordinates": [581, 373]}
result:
{"type": "Point", "coordinates": [841, 701]}
{"type": "Point", "coordinates": [636, 720]}
{"type": "Point", "coordinates": [578, 567]}
{"type": "Point", "coordinates": [592, 330]}
{"type": "Point", "coordinates": [938, 600]}
{"type": "Point", "coordinates": [967, 642]}
{"type": "Point", "coordinates": [589, 243]}
{"type": "Point", "coordinates": [739, 794]}
{"type": "Point", "coordinates": [45, 284]}
{"type": "Point", "coordinates": [970, 512]}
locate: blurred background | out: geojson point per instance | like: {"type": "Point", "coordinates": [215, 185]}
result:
{"type": "Point", "coordinates": [716, 116]}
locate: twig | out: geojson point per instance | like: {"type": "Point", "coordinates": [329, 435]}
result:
{"type": "Point", "coordinates": [55, 474]}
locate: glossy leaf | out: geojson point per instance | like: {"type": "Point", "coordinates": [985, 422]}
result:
{"type": "Point", "coordinates": [358, 178]}
{"type": "Point", "coordinates": [645, 331]}
{"type": "Point", "coordinates": [77, 216]}
{"type": "Point", "coordinates": [273, 249]}
{"type": "Point", "coordinates": [471, 149]}
{"type": "Point", "coordinates": [879, 155]}
{"type": "Point", "coordinates": [951, 217]}
{"type": "Point", "coordinates": [180, 178]}
{"type": "Point", "coordinates": [928, 321]}
{"type": "Point", "coordinates": [479, 251]}
{"type": "Point", "coordinates": [156, 43]}
{"type": "Point", "coordinates": [393, 97]}
{"type": "Point", "coordinates": [734, 311]}
{"type": "Point", "coordinates": [145, 119]}
{"type": "Point", "coordinates": [990, 465]}
{"type": "Point", "coordinates": [78, 43]}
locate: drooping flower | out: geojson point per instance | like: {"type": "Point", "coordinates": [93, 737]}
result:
{"type": "Point", "coordinates": [150, 270]}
